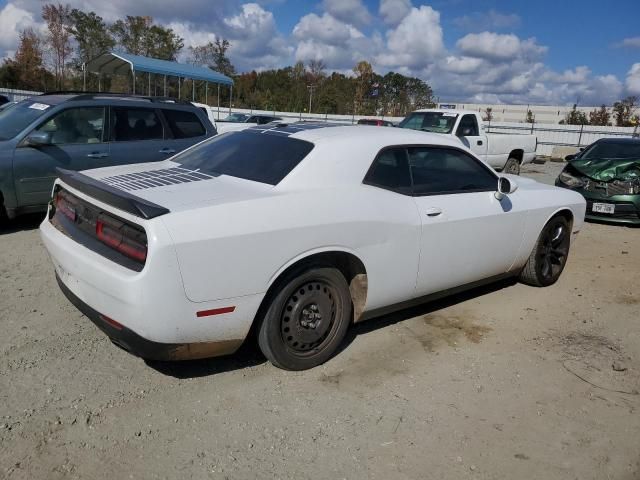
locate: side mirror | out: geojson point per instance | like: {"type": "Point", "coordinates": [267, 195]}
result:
{"type": "Point", "coordinates": [465, 132]}
{"type": "Point", "coordinates": [568, 158]}
{"type": "Point", "coordinates": [505, 187]}
{"type": "Point", "coordinates": [38, 139]}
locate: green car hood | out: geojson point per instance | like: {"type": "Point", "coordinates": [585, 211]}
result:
{"type": "Point", "coordinates": [605, 170]}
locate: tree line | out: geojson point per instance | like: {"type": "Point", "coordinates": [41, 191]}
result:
{"type": "Point", "coordinates": [53, 61]}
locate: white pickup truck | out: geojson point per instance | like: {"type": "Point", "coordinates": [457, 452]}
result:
{"type": "Point", "coordinates": [502, 151]}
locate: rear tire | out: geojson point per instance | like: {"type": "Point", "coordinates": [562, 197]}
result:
{"type": "Point", "coordinates": [512, 166]}
{"type": "Point", "coordinates": [549, 255]}
{"type": "Point", "coordinates": [307, 318]}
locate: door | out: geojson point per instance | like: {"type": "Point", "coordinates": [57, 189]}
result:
{"type": "Point", "coordinates": [185, 129]}
{"type": "Point", "coordinates": [467, 234]}
{"type": "Point", "coordinates": [469, 132]}
{"type": "Point", "coordinates": [137, 136]}
{"type": "Point", "coordinates": [76, 141]}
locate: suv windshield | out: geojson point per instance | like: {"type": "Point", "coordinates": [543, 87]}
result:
{"type": "Point", "coordinates": [436, 122]}
{"type": "Point", "coordinates": [236, 117]}
{"type": "Point", "coordinates": [15, 119]}
{"type": "Point", "coordinates": [249, 155]}
{"type": "Point", "coordinates": [612, 150]}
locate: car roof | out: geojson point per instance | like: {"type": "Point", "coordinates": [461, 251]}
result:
{"type": "Point", "coordinates": [446, 110]}
{"type": "Point", "coordinates": [62, 97]}
{"type": "Point", "coordinates": [632, 141]}
{"type": "Point", "coordinates": [321, 132]}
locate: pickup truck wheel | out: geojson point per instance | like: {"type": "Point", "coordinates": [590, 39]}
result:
{"type": "Point", "coordinates": [512, 166]}
{"type": "Point", "coordinates": [549, 255]}
{"type": "Point", "coordinates": [307, 319]}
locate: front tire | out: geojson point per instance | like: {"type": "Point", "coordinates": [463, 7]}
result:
{"type": "Point", "coordinates": [549, 255]}
{"type": "Point", "coordinates": [307, 318]}
{"type": "Point", "coordinates": [512, 166]}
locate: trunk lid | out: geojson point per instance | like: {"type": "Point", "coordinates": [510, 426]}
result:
{"type": "Point", "coordinates": [167, 184]}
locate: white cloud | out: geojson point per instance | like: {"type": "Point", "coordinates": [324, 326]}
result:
{"type": "Point", "coordinates": [498, 47]}
{"type": "Point", "coordinates": [631, 42]}
{"type": "Point", "coordinates": [632, 82]}
{"type": "Point", "coordinates": [326, 29]}
{"type": "Point", "coordinates": [348, 11]}
{"type": "Point", "coordinates": [393, 11]}
{"type": "Point", "coordinates": [491, 20]}
{"type": "Point", "coordinates": [13, 20]}
{"type": "Point", "coordinates": [461, 65]}
{"type": "Point", "coordinates": [416, 42]}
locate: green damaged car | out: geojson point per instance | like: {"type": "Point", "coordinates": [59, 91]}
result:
{"type": "Point", "coordinates": [607, 174]}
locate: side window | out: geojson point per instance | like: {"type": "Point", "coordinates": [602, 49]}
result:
{"type": "Point", "coordinates": [390, 170]}
{"type": "Point", "coordinates": [184, 124]}
{"type": "Point", "coordinates": [76, 126]}
{"type": "Point", "coordinates": [468, 126]}
{"type": "Point", "coordinates": [129, 124]}
{"type": "Point", "coordinates": [442, 170]}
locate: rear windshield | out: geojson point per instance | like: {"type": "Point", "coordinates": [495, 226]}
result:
{"type": "Point", "coordinates": [15, 119]}
{"type": "Point", "coordinates": [264, 158]}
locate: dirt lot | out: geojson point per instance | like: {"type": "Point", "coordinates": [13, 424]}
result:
{"type": "Point", "coordinates": [506, 382]}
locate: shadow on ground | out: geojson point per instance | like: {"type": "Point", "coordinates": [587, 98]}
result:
{"type": "Point", "coordinates": [249, 354]}
{"type": "Point", "coordinates": [21, 223]}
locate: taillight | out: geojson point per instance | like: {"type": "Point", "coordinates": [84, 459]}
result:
{"type": "Point", "coordinates": [127, 240]}
{"type": "Point", "coordinates": [66, 206]}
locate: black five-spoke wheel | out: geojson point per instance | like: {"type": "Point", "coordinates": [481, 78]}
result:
{"type": "Point", "coordinates": [549, 256]}
{"type": "Point", "coordinates": [307, 318]}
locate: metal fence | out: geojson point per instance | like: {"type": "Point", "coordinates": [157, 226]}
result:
{"type": "Point", "coordinates": [551, 136]}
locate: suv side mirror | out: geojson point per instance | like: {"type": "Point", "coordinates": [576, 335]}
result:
{"type": "Point", "coordinates": [505, 187]}
{"type": "Point", "coordinates": [570, 157]}
{"type": "Point", "coordinates": [38, 139]}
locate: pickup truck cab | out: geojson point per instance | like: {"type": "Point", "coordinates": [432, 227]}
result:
{"type": "Point", "coordinates": [502, 151]}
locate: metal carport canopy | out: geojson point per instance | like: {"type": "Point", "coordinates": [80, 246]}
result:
{"type": "Point", "coordinates": [121, 63]}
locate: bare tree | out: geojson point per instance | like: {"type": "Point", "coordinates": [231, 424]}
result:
{"type": "Point", "coordinates": [59, 37]}
{"type": "Point", "coordinates": [488, 114]}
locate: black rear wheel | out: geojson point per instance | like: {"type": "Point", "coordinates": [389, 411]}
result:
{"type": "Point", "coordinates": [549, 255]}
{"type": "Point", "coordinates": [307, 318]}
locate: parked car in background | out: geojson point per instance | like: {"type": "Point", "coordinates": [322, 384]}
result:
{"type": "Point", "coordinates": [251, 119]}
{"type": "Point", "coordinates": [209, 112]}
{"type": "Point", "coordinates": [296, 230]}
{"type": "Point", "coordinates": [375, 122]}
{"type": "Point", "coordinates": [81, 131]}
{"type": "Point", "coordinates": [503, 152]}
{"type": "Point", "coordinates": [607, 174]}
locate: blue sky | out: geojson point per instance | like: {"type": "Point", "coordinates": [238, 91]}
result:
{"type": "Point", "coordinates": [551, 52]}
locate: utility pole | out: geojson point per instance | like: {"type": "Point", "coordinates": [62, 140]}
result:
{"type": "Point", "coordinates": [310, 88]}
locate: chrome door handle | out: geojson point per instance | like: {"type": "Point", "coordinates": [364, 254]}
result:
{"type": "Point", "coordinates": [98, 155]}
{"type": "Point", "coordinates": [168, 151]}
{"type": "Point", "coordinates": [433, 212]}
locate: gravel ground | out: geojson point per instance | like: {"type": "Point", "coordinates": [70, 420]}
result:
{"type": "Point", "coordinates": [508, 381]}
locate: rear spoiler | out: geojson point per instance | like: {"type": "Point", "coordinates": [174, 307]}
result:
{"type": "Point", "coordinates": [111, 196]}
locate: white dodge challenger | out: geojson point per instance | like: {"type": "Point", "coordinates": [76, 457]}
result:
{"type": "Point", "coordinates": [294, 232]}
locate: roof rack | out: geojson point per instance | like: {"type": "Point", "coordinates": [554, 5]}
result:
{"type": "Point", "coordinates": [80, 95]}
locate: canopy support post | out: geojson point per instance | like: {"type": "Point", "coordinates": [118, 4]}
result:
{"type": "Point", "coordinates": [230, 98]}
{"type": "Point", "coordinates": [218, 101]}
{"type": "Point", "coordinates": [206, 93]}
{"type": "Point", "coordinates": [179, 88]}
{"type": "Point", "coordinates": [99, 82]}
{"type": "Point", "coordinates": [149, 89]}
{"type": "Point", "coordinates": [133, 72]}
{"type": "Point", "coordinates": [84, 77]}
{"type": "Point", "coordinates": [165, 85]}
{"type": "Point", "coordinates": [193, 89]}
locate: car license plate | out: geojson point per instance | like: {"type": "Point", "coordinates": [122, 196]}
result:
{"type": "Point", "coordinates": [603, 208]}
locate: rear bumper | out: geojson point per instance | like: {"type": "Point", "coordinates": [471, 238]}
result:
{"type": "Point", "coordinates": [147, 349]}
